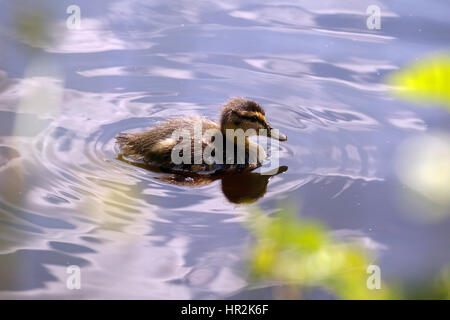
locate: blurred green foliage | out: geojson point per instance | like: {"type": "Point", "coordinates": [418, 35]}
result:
{"type": "Point", "coordinates": [426, 80]}
{"type": "Point", "coordinates": [301, 252]}
{"type": "Point", "coordinates": [35, 25]}
{"type": "Point", "coordinates": [436, 288]}
{"type": "Point", "coordinates": [426, 168]}
{"type": "Point", "coordinates": [424, 161]}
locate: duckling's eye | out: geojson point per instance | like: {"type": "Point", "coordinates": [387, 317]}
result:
{"type": "Point", "coordinates": [237, 123]}
{"type": "Point", "coordinates": [254, 118]}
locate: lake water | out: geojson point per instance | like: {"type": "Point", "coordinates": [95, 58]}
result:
{"type": "Point", "coordinates": [314, 66]}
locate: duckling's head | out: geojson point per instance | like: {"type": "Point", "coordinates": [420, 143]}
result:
{"type": "Point", "coordinates": [239, 113]}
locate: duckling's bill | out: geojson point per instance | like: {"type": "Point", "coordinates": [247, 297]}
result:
{"type": "Point", "coordinates": [276, 134]}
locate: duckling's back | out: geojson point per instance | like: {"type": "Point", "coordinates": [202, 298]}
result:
{"type": "Point", "coordinates": [155, 145]}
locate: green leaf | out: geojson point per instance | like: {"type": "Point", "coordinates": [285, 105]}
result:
{"type": "Point", "coordinates": [425, 81]}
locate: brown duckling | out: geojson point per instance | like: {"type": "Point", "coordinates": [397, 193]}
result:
{"type": "Point", "coordinates": [190, 137]}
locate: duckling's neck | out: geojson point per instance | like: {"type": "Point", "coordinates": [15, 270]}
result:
{"type": "Point", "coordinates": [252, 149]}
{"type": "Point", "coordinates": [249, 146]}
{"type": "Point", "coordinates": [233, 138]}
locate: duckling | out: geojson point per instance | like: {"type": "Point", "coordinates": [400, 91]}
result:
{"type": "Point", "coordinates": [157, 145]}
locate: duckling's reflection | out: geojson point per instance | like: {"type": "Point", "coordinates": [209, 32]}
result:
{"type": "Point", "coordinates": [238, 187]}
{"type": "Point", "coordinates": [247, 187]}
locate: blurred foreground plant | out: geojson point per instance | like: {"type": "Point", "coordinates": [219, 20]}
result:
{"type": "Point", "coordinates": [300, 253]}
{"type": "Point", "coordinates": [424, 162]}
{"type": "Point", "coordinates": [427, 80]}
{"type": "Point", "coordinates": [35, 24]}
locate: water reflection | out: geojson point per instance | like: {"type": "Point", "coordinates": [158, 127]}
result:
{"type": "Point", "coordinates": [237, 187]}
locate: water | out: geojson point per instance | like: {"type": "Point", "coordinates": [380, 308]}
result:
{"type": "Point", "coordinates": [314, 66]}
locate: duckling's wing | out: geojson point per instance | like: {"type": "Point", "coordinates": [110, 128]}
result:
{"type": "Point", "coordinates": [150, 146]}
{"type": "Point", "coordinates": [156, 144]}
